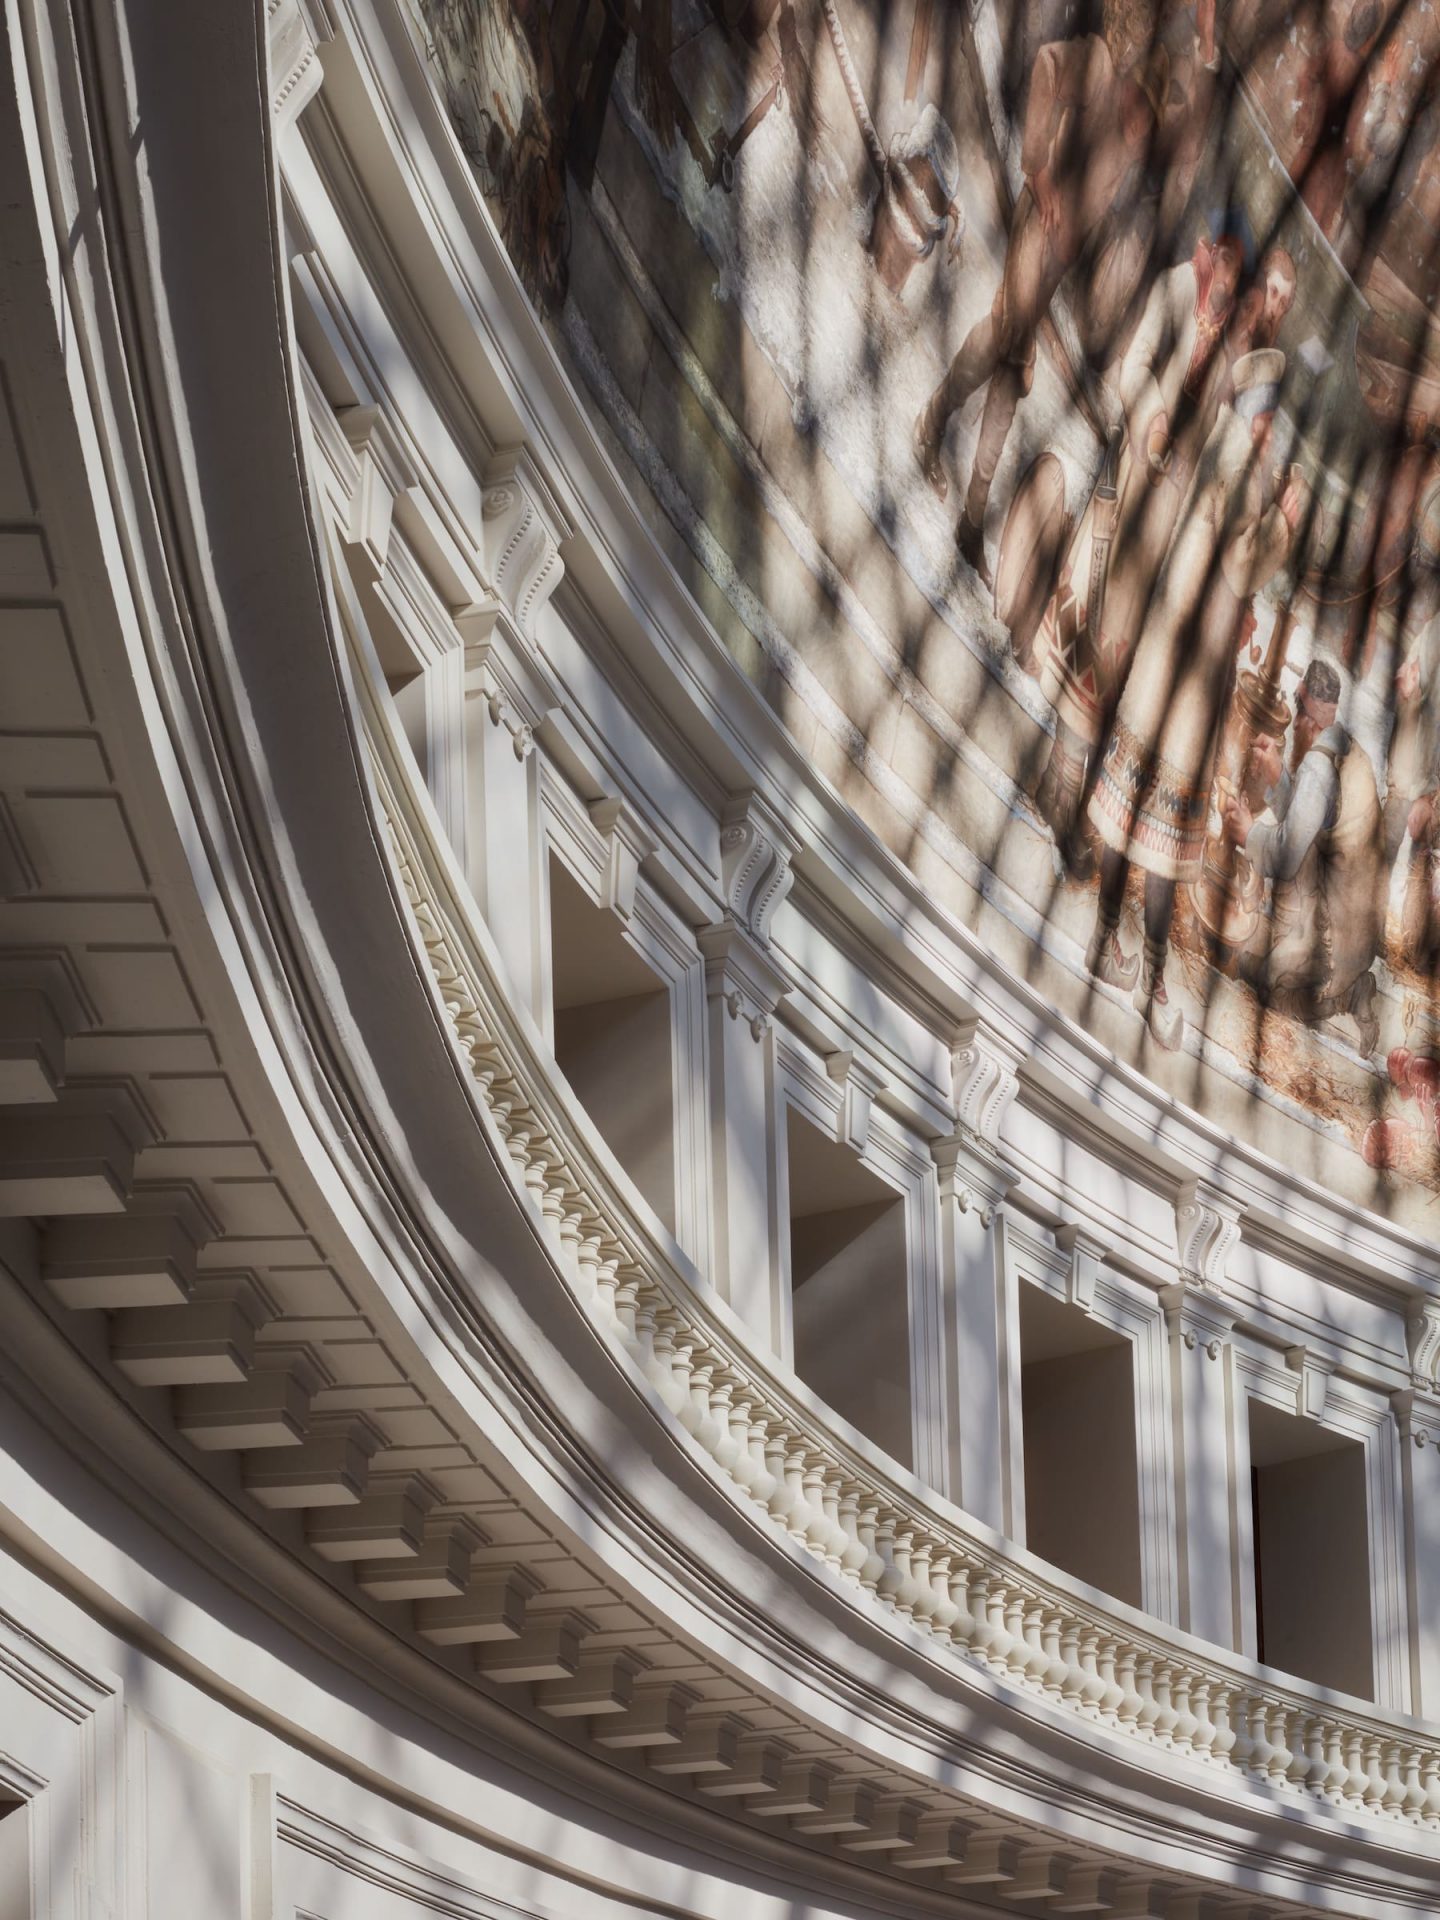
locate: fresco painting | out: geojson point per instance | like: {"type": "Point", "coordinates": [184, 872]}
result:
{"type": "Point", "coordinates": [1044, 401]}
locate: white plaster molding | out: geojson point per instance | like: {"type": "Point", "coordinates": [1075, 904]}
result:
{"type": "Point", "coordinates": [1422, 1338]}
{"type": "Point", "coordinates": [1314, 1380]}
{"type": "Point", "coordinates": [1207, 1232]}
{"type": "Point", "coordinates": [859, 1088]}
{"type": "Point", "coordinates": [1087, 1256]}
{"type": "Point", "coordinates": [1417, 1415]}
{"type": "Point", "coordinates": [1196, 1318]}
{"type": "Point", "coordinates": [383, 472]}
{"type": "Point", "coordinates": [523, 528]}
{"type": "Point", "coordinates": [628, 845]}
{"type": "Point", "coordinates": [756, 851]}
{"type": "Point", "coordinates": [985, 1075]}
{"type": "Point", "coordinates": [743, 974]}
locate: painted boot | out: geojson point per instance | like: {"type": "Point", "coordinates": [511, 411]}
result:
{"type": "Point", "coordinates": [1106, 959]}
{"type": "Point", "coordinates": [1166, 1022]}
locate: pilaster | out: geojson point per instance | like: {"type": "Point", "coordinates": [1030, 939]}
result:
{"type": "Point", "coordinates": [508, 691]}
{"type": "Point", "coordinates": [1200, 1323]}
{"type": "Point", "coordinates": [1417, 1415]}
{"type": "Point", "coordinates": [975, 1181]}
{"type": "Point", "coordinates": [744, 983]}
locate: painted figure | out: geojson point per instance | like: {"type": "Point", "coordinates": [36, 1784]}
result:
{"type": "Point", "coordinates": [1088, 124]}
{"type": "Point", "coordinates": [1168, 386]}
{"type": "Point", "coordinates": [1151, 802]}
{"type": "Point", "coordinates": [1322, 847]}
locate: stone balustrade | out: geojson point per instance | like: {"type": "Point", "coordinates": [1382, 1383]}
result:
{"type": "Point", "coordinates": [764, 1435]}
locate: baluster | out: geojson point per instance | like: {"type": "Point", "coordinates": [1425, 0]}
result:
{"type": "Point", "coordinates": [965, 1626]}
{"type": "Point", "coordinates": [836, 1537]}
{"type": "Point", "coordinates": [762, 1481]}
{"type": "Point", "coordinates": [1374, 1776]}
{"type": "Point", "coordinates": [1002, 1646]}
{"type": "Point", "coordinates": [1092, 1687]}
{"type": "Point", "coordinates": [1280, 1754]}
{"type": "Point", "coordinates": [1182, 1732]}
{"type": "Point", "coordinates": [1357, 1780]}
{"type": "Point", "coordinates": [897, 1585]}
{"type": "Point", "coordinates": [867, 1526]}
{"type": "Point", "coordinates": [1131, 1705]}
{"type": "Point", "coordinates": [923, 1608]}
{"type": "Point", "coordinates": [1260, 1751]}
{"type": "Point", "coordinates": [1037, 1660]}
{"type": "Point", "coordinates": [1165, 1715]}
{"type": "Point", "coordinates": [661, 1364]}
{"type": "Point", "coordinates": [1072, 1691]}
{"type": "Point", "coordinates": [982, 1634]}
{"type": "Point", "coordinates": [742, 1427]}
{"type": "Point", "coordinates": [1336, 1771]}
{"type": "Point", "coordinates": [1317, 1766]}
{"type": "Point", "coordinates": [731, 1454]}
{"type": "Point", "coordinates": [799, 1517]}
{"type": "Point", "coordinates": [1413, 1808]}
{"type": "Point", "coordinates": [1222, 1720]}
{"type": "Point", "coordinates": [1112, 1693]}
{"type": "Point", "coordinates": [571, 1223]}
{"type": "Point", "coordinates": [1202, 1740]}
{"type": "Point", "coordinates": [1431, 1779]}
{"type": "Point", "coordinates": [587, 1265]}
{"type": "Point", "coordinates": [817, 1527]}
{"type": "Point", "coordinates": [777, 1457]}
{"type": "Point", "coordinates": [1145, 1687]}
{"type": "Point", "coordinates": [1056, 1672]}
{"type": "Point", "coordinates": [856, 1551]}
{"type": "Point", "coordinates": [1393, 1802]}
{"type": "Point", "coordinates": [946, 1612]}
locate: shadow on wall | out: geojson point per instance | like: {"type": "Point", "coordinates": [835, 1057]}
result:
{"type": "Point", "coordinates": [1041, 397]}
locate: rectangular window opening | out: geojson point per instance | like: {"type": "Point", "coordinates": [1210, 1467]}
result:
{"type": "Point", "coordinates": [1312, 1558]}
{"type": "Point", "coordinates": [850, 1311]}
{"type": "Point", "coordinates": [1077, 1409]}
{"type": "Point", "coordinates": [613, 1040]}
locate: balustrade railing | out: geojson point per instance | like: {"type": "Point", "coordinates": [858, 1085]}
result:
{"type": "Point", "coordinates": [810, 1482]}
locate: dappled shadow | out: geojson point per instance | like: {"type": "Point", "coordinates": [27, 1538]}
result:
{"type": "Point", "coordinates": [1042, 400]}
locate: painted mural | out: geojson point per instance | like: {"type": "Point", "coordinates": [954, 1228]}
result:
{"type": "Point", "coordinates": [1043, 399]}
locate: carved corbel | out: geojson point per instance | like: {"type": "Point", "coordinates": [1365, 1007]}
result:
{"type": "Point", "coordinates": [859, 1088]}
{"type": "Point", "coordinates": [1207, 1232]}
{"type": "Point", "coordinates": [985, 1073]}
{"type": "Point", "coordinates": [297, 31]}
{"type": "Point", "coordinates": [1314, 1380]}
{"type": "Point", "coordinates": [984, 1076]}
{"type": "Point", "coordinates": [756, 851]}
{"type": "Point", "coordinates": [1417, 1415]}
{"type": "Point", "coordinates": [1087, 1257]}
{"type": "Point", "coordinates": [522, 531]}
{"type": "Point", "coordinates": [627, 847]}
{"type": "Point", "coordinates": [1422, 1337]}
{"type": "Point", "coordinates": [383, 473]}
{"type": "Point", "coordinates": [742, 976]}
{"type": "Point", "coordinates": [1197, 1318]}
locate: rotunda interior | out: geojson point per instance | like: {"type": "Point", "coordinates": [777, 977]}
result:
{"type": "Point", "coordinates": [719, 904]}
